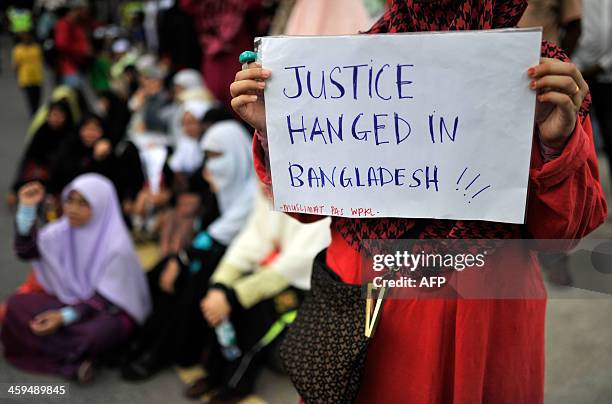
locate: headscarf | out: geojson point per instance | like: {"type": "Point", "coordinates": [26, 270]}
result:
{"type": "Point", "coordinates": [188, 79]}
{"type": "Point", "coordinates": [188, 155]}
{"type": "Point", "coordinates": [44, 148]}
{"type": "Point", "coordinates": [77, 262]}
{"type": "Point", "coordinates": [88, 118]}
{"type": "Point", "coordinates": [234, 177]}
{"type": "Point", "coordinates": [191, 81]}
{"type": "Point", "coordinates": [443, 15]}
{"type": "Point", "coordinates": [116, 117]}
{"type": "Point", "coordinates": [61, 93]}
{"type": "Point", "coordinates": [450, 15]}
{"type": "Point", "coordinates": [197, 108]}
{"type": "Point", "coordinates": [47, 140]}
{"type": "Point", "coordinates": [120, 45]}
{"type": "Point", "coordinates": [76, 158]}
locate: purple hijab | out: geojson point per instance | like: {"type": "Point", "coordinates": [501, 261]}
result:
{"type": "Point", "coordinates": [77, 262]}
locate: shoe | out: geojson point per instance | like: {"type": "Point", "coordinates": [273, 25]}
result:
{"type": "Point", "coordinates": [85, 373]}
{"type": "Point", "coordinates": [143, 368]}
{"type": "Point", "coordinates": [198, 388]}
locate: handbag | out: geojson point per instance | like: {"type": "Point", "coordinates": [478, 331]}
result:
{"type": "Point", "coordinates": [325, 349]}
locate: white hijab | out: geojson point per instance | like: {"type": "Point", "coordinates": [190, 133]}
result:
{"type": "Point", "coordinates": [188, 79]}
{"type": "Point", "coordinates": [191, 81]}
{"type": "Point", "coordinates": [234, 176]}
{"type": "Point", "coordinates": [188, 157]}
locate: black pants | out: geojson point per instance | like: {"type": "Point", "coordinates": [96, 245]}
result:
{"type": "Point", "coordinates": [32, 94]}
{"type": "Point", "coordinates": [177, 332]}
{"type": "Point", "coordinates": [250, 326]}
{"type": "Point", "coordinates": [602, 106]}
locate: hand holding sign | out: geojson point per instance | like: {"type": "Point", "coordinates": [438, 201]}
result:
{"type": "Point", "coordinates": [247, 91]}
{"type": "Point", "coordinates": [561, 89]}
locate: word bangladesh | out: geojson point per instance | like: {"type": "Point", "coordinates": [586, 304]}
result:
{"type": "Point", "coordinates": [363, 177]}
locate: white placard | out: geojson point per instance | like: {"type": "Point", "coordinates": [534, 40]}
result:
{"type": "Point", "coordinates": [427, 125]}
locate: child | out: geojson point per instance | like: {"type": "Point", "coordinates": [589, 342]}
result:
{"type": "Point", "coordinates": [28, 64]}
{"type": "Point", "coordinates": [94, 291]}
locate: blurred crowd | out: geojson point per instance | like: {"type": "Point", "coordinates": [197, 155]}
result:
{"type": "Point", "coordinates": [152, 243]}
{"type": "Point", "coordinates": [141, 101]}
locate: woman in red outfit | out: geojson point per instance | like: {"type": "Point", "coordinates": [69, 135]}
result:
{"type": "Point", "coordinates": [72, 45]}
{"type": "Point", "coordinates": [225, 28]}
{"type": "Point", "coordinates": [481, 350]}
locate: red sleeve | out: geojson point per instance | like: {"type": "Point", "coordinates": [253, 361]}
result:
{"type": "Point", "coordinates": [259, 157]}
{"type": "Point", "coordinates": [566, 200]}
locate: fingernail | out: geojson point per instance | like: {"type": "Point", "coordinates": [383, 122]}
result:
{"type": "Point", "coordinates": [261, 85]}
{"type": "Point", "coordinates": [533, 85]}
{"type": "Point", "coordinates": [265, 73]}
{"type": "Point", "coordinates": [531, 72]}
{"type": "Point", "coordinates": [254, 97]}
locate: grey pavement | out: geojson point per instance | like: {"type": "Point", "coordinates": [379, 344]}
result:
{"type": "Point", "coordinates": [578, 328]}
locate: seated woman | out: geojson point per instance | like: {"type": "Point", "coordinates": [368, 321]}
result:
{"type": "Point", "coordinates": [41, 153]}
{"type": "Point", "coordinates": [149, 105]}
{"type": "Point", "coordinates": [115, 113]}
{"type": "Point", "coordinates": [188, 84]}
{"type": "Point", "coordinates": [72, 98]}
{"type": "Point", "coordinates": [187, 157]}
{"type": "Point", "coordinates": [176, 332]}
{"type": "Point", "coordinates": [193, 197]}
{"type": "Point", "coordinates": [93, 297]}
{"type": "Point", "coordinates": [262, 276]}
{"type": "Point", "coordinates": [91, 151]}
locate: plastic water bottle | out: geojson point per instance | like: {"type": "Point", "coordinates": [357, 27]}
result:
{"type": "Point", "coordinates": [226, 335]}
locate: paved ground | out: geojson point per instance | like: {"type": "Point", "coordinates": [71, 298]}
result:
{"type": "Point", "coordinates": [579, 323]}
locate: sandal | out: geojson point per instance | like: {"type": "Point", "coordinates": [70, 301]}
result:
{"type": "Point", "coordinates": [86, 373]}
